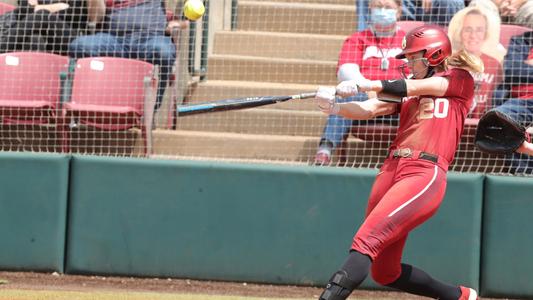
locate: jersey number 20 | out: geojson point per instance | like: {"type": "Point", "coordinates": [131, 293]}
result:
{"type": "Point", "coordinates": [429, 108]}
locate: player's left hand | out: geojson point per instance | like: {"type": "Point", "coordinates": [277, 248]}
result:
{"type": "Point", "coordinates": [325, 97]}
{"type": "Point", "coordinates": [350, 88]}
{"type": "Point", "coordinates": [347, 88]}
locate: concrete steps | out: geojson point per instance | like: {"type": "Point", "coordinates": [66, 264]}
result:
{"type": "Point", "coordinates": [296, 17]}
{"type": "Point", "coordinates": [264, 69]}
{"type": "Point", "coordinates": [233, 145]}
{"type": "Point", "coordinates": [257, 121]}
{"type": "Point", "coordinates": [279, 47]}
{"type": "Point", "coordinates": [250, 147]}
{"type": "Point", "coordinates": [315, 47]}
{"type": "Point", "coordinates": [258, 148]}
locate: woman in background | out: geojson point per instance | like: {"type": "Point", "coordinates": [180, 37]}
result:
{"type": "Point", "coordinates": [472, 29]}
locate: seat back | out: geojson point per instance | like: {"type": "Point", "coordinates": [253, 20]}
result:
{"type": "Point", "coordinates": [108, 81]}
{"type": "Point", "coordinates": [5, 7]}
{"type": "Point", "coordinates": [509, 30]}
{"type": "Point", "coordinates": [31, 76]}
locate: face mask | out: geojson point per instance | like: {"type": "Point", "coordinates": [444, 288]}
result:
{"type": "Point", "coordinates": [383, 21]}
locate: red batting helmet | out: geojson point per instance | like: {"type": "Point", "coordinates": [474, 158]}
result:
{"type": "Point", "coordinates": [430, 38]}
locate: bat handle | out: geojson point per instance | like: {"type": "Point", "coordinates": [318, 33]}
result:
{"type": "Point", "coordinates": [304, 95]}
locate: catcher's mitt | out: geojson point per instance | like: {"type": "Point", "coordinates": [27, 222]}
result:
{"type": "Point", "coordinates": [497, 133]}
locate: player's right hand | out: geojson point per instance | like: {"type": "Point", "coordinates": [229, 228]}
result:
{"type": "Point", "coordinates": [325, 97]}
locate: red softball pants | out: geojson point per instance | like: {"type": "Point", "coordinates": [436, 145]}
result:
{"type": "Point", "coordinates": [405, 193]}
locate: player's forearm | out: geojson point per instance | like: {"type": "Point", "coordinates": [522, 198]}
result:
{"type": "Point", "coordinates": [354, 111]}
{"type": "Point", "coordinates": [365, 110]}
{"type": "Point", "coordinates": [435, 86]}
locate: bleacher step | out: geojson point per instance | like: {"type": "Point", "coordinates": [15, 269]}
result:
{"type": "Point", "coordinates": [233, 145]}
{"type": "Point", "coordinates": [257, 121]}
{"type": "Point", "coordinates": [318, 18]}
{"type": "Point", "coordinates": [278, 44]}
{"type": "Point", "coordinates": [264, 69]}
{"type": "Point", "coordinates": [251, 147]}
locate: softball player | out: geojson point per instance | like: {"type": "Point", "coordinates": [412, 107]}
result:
{"type": "Point", "coordinates": [409, 188]}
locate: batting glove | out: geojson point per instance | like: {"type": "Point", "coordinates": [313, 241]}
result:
{"type": "Point", "coordinates": [325, 97]}
{"type": "Point", "coordinates": [352, 87]}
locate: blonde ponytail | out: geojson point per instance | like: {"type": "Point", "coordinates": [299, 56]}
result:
{"type": "Point", "coordinates": [464, 60]}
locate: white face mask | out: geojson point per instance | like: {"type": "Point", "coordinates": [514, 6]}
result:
{"type": "Point", "coordinates": [383, 21]}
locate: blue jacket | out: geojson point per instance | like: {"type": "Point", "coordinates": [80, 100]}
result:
{"type": "Point", "coordinates": [516, 71]}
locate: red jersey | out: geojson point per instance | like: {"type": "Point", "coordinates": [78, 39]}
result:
{"type": "Point", "coordinates": [485, 83]}
{"type": "Point", "coordinates": [435, 124]}
{"type": "Point", "coordinates": [366, 50]}
{"type": "Point", "coordinates": [523, 91]}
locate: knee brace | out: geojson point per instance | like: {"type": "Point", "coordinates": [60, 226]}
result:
{"type": "Point", "coordinates": [339, 287]}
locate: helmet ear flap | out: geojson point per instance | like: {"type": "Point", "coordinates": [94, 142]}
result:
{"type": "Point", "coordinates": [435, 58]}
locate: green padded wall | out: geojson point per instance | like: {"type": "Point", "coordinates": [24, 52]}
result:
{"type": "Point", "coordinates": [507, 260]}
{"type": "Point", "coordinates": [259, 223]}
{"type": "Point", "coordinates": [213, 221]}
{"type": "Point", "coordinates": [33, 206]}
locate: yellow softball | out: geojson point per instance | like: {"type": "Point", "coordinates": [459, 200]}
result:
{"type": "Point", "coordinates": [193, 9]}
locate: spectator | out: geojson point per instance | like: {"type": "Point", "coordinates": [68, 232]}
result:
{"type": "Point", "coordinates": [437, 12]}
{"type": "Point", "coordinates": [518, 67]}
{"type": "Point", "coordinates": [487, 5]}
{"type": "Point", "coordinates": [130, 29]}
{"type": "Point", "coordinates": [524, 14]}
{"type": "Point", "coordinates": [510, 11]}
{"type": "Point", "coordinates": [366, 54]}
{"type": "Point", "coordinates": [513, 11]}
{"type": "Point", "coordinates": [469, 29]}
{"type": "Point", "coordinates": [44, 25]}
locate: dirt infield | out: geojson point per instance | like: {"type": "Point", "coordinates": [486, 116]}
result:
{"type": "Point", "coordinates": [60, 282]}
{"type": "Point", "coordinates": [43, 281]}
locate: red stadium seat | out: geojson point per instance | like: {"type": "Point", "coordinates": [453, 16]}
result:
{"type": "Point", "coordinates": [5, 7]}
{"type": "Point", "coordinates": [30, 87]}
{"type": "Point", "coordinates": [113, 94]}
{"type": "Point", "coordinates": [508, 30]}
{"type": "Point", "coordinates": [408, 25]}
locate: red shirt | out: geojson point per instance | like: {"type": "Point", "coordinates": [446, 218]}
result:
{"type": "Point", "coordinates": [435, 124]}
{"type": "Point", "coordinates": [366, 50]}
{"type": "Point", "coordinates": [523, 91]}
{"type": "Point", "coordinates": [485, 83]}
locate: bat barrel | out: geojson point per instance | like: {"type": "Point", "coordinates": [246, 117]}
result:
{"type": "Point", "coordinates": [238, 103]}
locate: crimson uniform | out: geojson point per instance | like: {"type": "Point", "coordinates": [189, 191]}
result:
{"type": "Point", "coordinates": [408, 190]}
